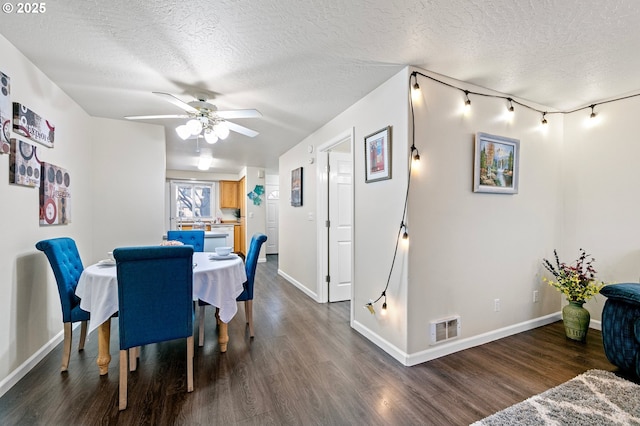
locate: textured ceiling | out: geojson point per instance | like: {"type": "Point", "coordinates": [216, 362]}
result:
{"type": "Point", "coordinates": [302, 62]}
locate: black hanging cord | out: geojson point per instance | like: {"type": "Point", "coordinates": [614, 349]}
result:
{"type": "Point", "coordinates": [403, 225]}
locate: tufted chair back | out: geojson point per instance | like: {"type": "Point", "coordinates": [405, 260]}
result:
{"type": "Point", "coordinates": [621, 325]}
{"type": "Point", "coordinates": [67, 266]}
{"type": "Point", "coordinates": [155, 299]}
{"type": "Point", "coordinates": [194, 238]}
{"type": "Point", "coordinates": [250, 266]}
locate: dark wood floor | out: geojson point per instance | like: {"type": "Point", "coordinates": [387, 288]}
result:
{"type": "Point", "coordinates": [305, 366]}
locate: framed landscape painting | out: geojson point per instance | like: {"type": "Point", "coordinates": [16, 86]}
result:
{"type": "Point", "coordinates": [497, 162]}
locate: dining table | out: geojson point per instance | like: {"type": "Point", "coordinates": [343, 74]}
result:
{"type": "Point", "coordinates": [217, 280]}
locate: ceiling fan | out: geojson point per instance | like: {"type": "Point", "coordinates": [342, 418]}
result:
{"type": "Point", "coordinates": [203, 118]}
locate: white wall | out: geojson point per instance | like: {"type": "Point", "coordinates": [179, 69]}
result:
{"type": "Point", "coordinates": [468, 249]}
{"type": "Point", "coordinates": [377, 209]}
{"type": "Point", "coordinates": [94, 151]}
{"type": "Point", "coordinates": [601, 197]}
{"type": "Point", "coordinates": [256, 216]}
{"type": "Point", "coordinates": [30, 312]}
{"type": "Point", "coordinates": [297, 225]}
{"type": "Point", "coordinates": [129, 169]}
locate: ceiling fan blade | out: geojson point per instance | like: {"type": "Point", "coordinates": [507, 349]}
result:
{"type": "Point", "coordinates": [241, 129]}
{"type": "Point", "coordinates": [239, 113]}
{"type": "Point", "coordinates": [153, 117]}
{"type": "Point", "coordinates": [177, 102]}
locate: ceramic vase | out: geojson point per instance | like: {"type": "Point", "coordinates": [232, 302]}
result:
{"type": "Point", "coordinates": [576, 321]}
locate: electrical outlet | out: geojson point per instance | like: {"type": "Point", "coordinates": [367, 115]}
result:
{"type": "Point", "coordinates": [536, 296]}
{"type": "Point", "coordinates": [496, 305]}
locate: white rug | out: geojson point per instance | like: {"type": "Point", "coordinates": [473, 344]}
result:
{"type": "Point", "coordinates": [593, 398]}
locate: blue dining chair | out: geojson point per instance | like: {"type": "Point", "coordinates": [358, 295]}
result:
{"type": "Point", "coordinates": [246, 296]}
{"type": "Point", "coordinates": [193, 238]}
{"type": "Point", "coordinates": [155, 296]}
{"type": "Point", "coordinates": [65, 261]}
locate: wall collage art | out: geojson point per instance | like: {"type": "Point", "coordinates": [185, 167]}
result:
{"type": "Point", "coordinates": [25, 168]}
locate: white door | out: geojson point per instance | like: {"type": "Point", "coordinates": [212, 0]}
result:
{"type": "Point", "coordinates": [273, 197]}
{"type": "Point", "coordinates": [340, 217]}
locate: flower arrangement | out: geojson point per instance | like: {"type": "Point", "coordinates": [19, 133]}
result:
{"type": "Point", "coordinates": [577, 282]}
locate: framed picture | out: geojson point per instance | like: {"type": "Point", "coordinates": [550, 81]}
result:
{"type": "Point", "coordinates": [296, 187]}
{"type": "Point", "coordinates": [496, 164]}
{"type": "Point", "coordinates": [377, 155]}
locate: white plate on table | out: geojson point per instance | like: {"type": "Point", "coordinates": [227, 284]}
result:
{"type": "Point", "coordinates": [107, 262]}
{"type": "Point", "coordinates": [215, 256]}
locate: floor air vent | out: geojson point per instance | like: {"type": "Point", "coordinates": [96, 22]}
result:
{"type": "Point", "coordinates": [445, 329]}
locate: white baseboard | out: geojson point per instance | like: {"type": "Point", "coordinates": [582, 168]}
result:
{"type": "Point", "coordinates": [454, 346]}
{"type": "Point", "coordinates": [17, 374]}
{"type": "Point", "coordinates": [299, 285]}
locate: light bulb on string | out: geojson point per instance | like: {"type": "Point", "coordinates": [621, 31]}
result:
{"type": "Point", "coordinates": [415, 91]}
{"type": "Point", "coordinates": [593, 113]}
{"type": "Point", "coordinates": [467, 102]}
{"type": "Point", "coordinates": [415, 156]}
{"type": "Point", "coordinates": [544, 120]}
{"type": "Point", "coordinates": [511, 109]}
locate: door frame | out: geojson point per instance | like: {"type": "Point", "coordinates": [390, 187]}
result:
{"type": "Point", "coordinates": [322, 212]}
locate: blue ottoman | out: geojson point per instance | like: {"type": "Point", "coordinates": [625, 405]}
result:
{"type": "Point", "coordinates": [621, 325]}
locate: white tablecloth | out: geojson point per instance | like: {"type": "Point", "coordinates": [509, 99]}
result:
{"type": "Point", "coordinates": [217, 282]}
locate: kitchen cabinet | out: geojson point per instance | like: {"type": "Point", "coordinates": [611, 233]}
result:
{"type": "Point", "coordinates": [242, 197]}
{"type": "Point", "coordinates": [228, 194]}
{"type": "Point", "coordinates": [239, 238]}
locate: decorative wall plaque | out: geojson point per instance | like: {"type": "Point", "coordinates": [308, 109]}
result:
{"type": "Point", "coordinates": [55, 196]}
{"type": "Point", "coordinates": [30, 125]}
{"type": "Point", "coordinates": [24, 168]}
{"type": "Point", "coordinates": [5, 113]}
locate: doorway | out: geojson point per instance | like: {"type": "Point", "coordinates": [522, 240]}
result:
{"type": "Point", "coordinates": [335, 209]}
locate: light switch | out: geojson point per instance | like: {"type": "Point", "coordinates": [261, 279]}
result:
{"type": "Point", "coordinates": [250, 215]}
{"type": "Point", "coordinates": [310, 216]}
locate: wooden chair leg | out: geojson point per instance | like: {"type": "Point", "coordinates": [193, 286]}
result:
{"type": "Point", "coordinates": [133, 358]}
{"type": "Point", "coordinates": [190, 363]}
{"type": "Point", "coordinates": [83, 335]}
{"type": "Point", "coordinates": [123, 380]}
{"type": "Point", "coordinates": [201, 326]}
{"type": "Point", "coordinates": [248, 312]}
{"type": "Point", "coordinates": [66, 346]}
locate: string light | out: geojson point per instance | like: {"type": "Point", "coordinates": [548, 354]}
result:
{"type": "Point", "coordinates": [414, 157]}
{"type": "Point", "coordinates": [512, 101]}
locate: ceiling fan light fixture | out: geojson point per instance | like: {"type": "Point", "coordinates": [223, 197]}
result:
{"type": "Point", "coordinates": [183, 132]}
{"type": "Point", "coordinates": [210, 136]}
{"type": "Point", "coordinates": [204, 162]}
{"type": "Point", "coordinates": [194, 126]}
{"type": "Point", "coordinates": [221, 130]}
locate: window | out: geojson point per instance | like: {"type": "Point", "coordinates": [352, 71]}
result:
{"type": "Point", "coordinates": [194, 200]}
